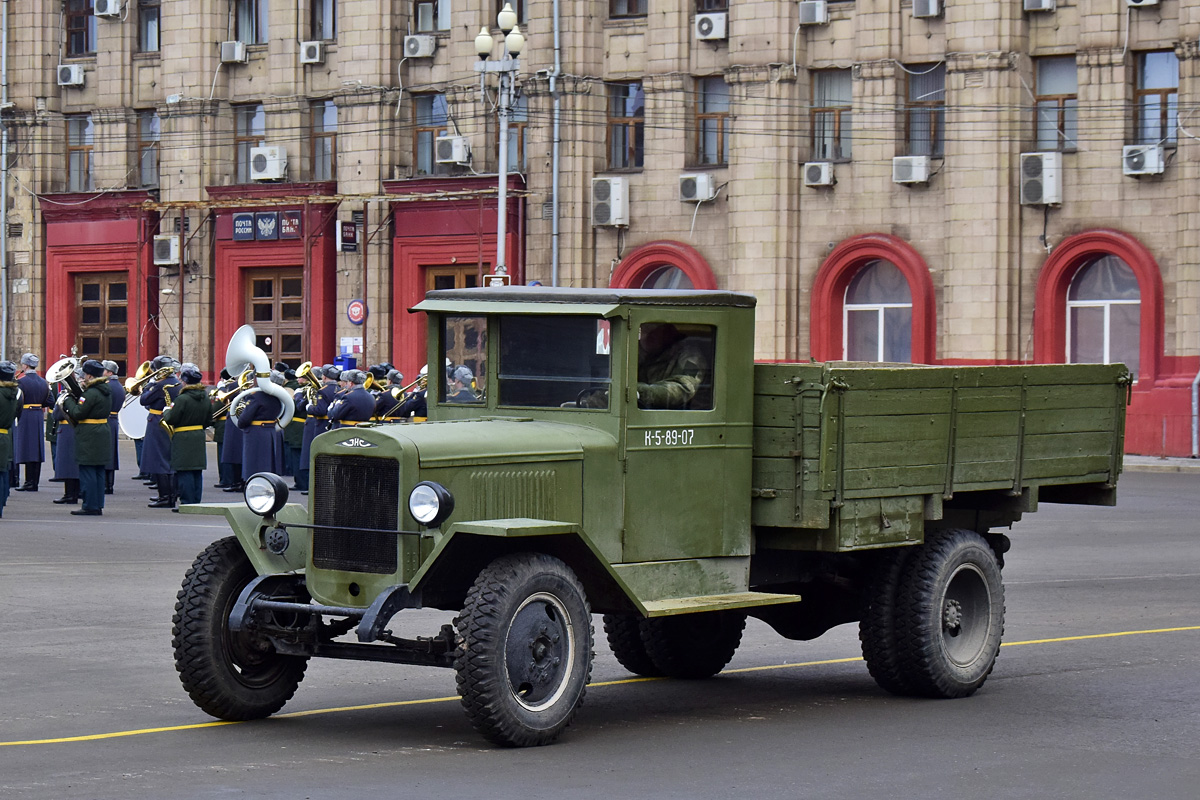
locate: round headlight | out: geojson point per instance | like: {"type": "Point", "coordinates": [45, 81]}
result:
{"type": "Point", "coordinates": [265, 493]}
{"type": "Point", "coordinates": [430, 503]}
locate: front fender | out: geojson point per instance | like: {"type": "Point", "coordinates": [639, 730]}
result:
{"type": "Point", "coordinates": [466, 548]}
{"type": "Point", "coordinates": [251, 530]}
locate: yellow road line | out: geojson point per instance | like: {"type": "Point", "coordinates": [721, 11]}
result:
{"type": "Point", "coordinates": [398, 703]}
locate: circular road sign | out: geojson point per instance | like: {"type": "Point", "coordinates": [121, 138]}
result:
{"type": "Point", "coordinates": [356, 311]}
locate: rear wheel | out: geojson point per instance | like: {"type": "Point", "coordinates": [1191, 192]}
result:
{"type": "Point", "coordinates": [693, 645]}
{"type": "Point", "coordinates": [526, 649]}
{"type": "Point", "coordinates": [950, 615]}
{"type": "Point", "coordinates": [625, 638]}
{"type": "Point", "coordinates": [233, 677]}
{"type": "Point", "coordinates": [877, 626]}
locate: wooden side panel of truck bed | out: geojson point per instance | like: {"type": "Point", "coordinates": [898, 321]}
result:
{"type": "Point", "coordinates": [831, 439]}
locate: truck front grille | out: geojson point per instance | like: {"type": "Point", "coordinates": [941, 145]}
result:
{"type": "Point", "coordinates": [355, 492]}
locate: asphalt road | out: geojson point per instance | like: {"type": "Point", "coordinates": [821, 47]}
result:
{"type": "Point", "coordinates": [1095, 694]}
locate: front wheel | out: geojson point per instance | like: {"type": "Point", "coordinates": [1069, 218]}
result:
{"type": "Point", "coordinates": [949, 615]}
{"type": "Point", "coordinates": [233, 677]}
{"type": "Point", "coordinates": [525, 655]}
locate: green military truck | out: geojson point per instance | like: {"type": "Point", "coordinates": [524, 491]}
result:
{"type": "Point", "coordinates": [619, 452]}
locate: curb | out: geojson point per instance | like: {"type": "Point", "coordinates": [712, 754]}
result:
{"type": "Point", "coordinates": [1164, 465]}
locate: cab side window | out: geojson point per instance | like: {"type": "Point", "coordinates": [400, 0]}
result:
{"type": "Point", "coordinates": [675, 363]}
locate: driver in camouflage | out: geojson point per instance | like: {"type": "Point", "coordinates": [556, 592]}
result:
{"type": "Point", "coordinates": [671, 367]}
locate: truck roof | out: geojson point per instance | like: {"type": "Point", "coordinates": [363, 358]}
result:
{"type": "Point", "coordinates": [566, 300]}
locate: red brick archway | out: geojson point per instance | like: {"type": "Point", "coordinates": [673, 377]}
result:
{"type": "Point", "coordinates": [829, 294]}
{"type": "Point", "coordinates": [643, 260]}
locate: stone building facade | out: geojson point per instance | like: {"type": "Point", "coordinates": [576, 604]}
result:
{"type": "Point", "coordinates": [874, 171]}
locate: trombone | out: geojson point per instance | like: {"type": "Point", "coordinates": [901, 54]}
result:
{"type": "Point", "coordinates": [144, 376]}
{"type": "Point", "coordinates": [401, 394]}
{"type": "Point", "coordinates": [224, 399]}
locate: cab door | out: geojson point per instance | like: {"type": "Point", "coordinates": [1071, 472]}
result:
{"type": "Point", "coordinates": [687, 469]}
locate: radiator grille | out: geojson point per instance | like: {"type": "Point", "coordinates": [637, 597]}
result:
{"type": "Point", "coordinates": [356, 492]}
{"type": "Point", "coordinates": [515, 493]}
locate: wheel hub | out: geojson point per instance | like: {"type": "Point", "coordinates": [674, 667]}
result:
{"type": "Point", "coordinates": [952, 617]}
{"type": "Point", "coordinates": [539, 651]}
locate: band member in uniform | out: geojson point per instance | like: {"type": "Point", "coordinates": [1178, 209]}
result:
{"type": "Point", "coordinates": [415, 407]}
{"type": "Point", "coordinates": [10, 405]}
{"type": "Point", "coordinates": [114, 426]}
{"type": "Point", "coordinates": [293, 434]}
{"type": "Point", "coordinates": [460, 386]}
{"type": "Point", "coordinates": [388, 401]}
{"type": "Point", "coordinates": [317, 419]}
{"type": "Point", "coordinates": [66, 467]}
{"type": "Point", "coordinates": [156, 451]}
{"type": "Point", "coordinates": [29, 446]}
{"type": "Point", "coordinates": [354, 403]}
{"type": "Point", "coordinates": [93, 445]}
{"type": "Point", "coordinates": [255, 414]}
{"type": "Point", "coordinates": [225, 476]}
{"type": "Point", "coordinates": [188, 416]}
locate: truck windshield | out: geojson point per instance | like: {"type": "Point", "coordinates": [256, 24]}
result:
{"type": "Point", "coordinates": [554, 362]}
{"type": "Point", "coordinates": [464, 343]}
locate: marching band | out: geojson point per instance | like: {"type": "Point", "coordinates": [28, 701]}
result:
{"type": "Point", "coordinates": [264, 417]}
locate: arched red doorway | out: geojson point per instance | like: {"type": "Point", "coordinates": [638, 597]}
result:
{"type": "Point", "coordinates": [647, 261]}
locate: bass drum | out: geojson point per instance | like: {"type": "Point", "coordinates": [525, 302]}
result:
{"type": "Point", "coordinates": [132, 418]}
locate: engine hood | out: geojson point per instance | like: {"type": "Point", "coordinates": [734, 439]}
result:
{"type": "Point", "coordinates": [498, 440]}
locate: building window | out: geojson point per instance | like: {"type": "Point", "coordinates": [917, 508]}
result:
{"type": "Point", "coordinates": [80, 135]}
{"type": "Point", "coordinates": [626, 125]}
{"type": "Point", "coordinates": [432, 15]}
{"type": "Point", "coordinates": [324, 140]}
{"type": "Point", "coordinates": [251, 21]}
{"type": "Point", "coordinates": [431, 116]}
{"type": "Point", "coordinates": [925, 110]}
{"type": "Point", "coordinates": [626, 8]}
{"type": "Point", "coordinates": [708, 6]}
{"type": "Point", "coordinates": [712, 121]}
{"type": "Point", "coordinates": [149, 133]}
{"type": "Point", "coordinates": [877, 315]}
{"type": "Point", "coordinates": [831, 115]}
{"type": "Point", "coordinates": [81, 28]}
{"type": "Point", "coordinates": [250, 128]}
{"type": "Point", "coordinates": [324, 19]}
{"type": "Point", "coordinates": [1056, 95]}
{"type": "Point", "coordinates": [148, 30]}
{"type": "Point", "coordinates": [1104, 309]}
{"type": "Point", "coordinates": [518, 121]}
{"type": "Point", "coordinates": [1157, 97]}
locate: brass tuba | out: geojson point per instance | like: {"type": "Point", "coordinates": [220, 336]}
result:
{"type": "Point", "coordinates": [63, 371]}
{"type": "Point", "coordinates": [312, 385]}
{"type": "Point", "coordinates": [244, 354]}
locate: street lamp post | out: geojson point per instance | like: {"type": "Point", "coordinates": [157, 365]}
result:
{"type": "Point", "coordinates": [505, 69]}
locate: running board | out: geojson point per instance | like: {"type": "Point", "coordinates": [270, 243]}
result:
{"type": "Point", "coordinates": [715, 602]}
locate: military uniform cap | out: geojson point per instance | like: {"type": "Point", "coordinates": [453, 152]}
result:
{"type": "Point", "coordinates": [190, 373]}
{"type": "Point", "coordinates": [29, 360]}
{"type": "Point", "coordinates": [8, 370]}
{"type": "Point", "coordinates": [93, 368]}
{"type": "Point", "coordinates": [395, 376]}
{"type": "Point", "coordinates": [332, 372]}
{"type": "Point", "coordinates": [111, 366]}
{"type": "Point", "coordinates": [463, 374]}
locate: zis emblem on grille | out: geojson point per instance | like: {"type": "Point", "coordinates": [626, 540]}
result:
{"type": "Point", "coordinates": [356, 442]}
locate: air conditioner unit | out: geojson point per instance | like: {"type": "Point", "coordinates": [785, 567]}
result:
{"type": "Point", "coordinates": [910, 169]}
{"type": "Point", "coordinates": [1143, 159]}
{"type": "Point", "coordinates": [452, 150]}
{"type": "Point", "coordinates": [1141, 3]}
{"type": "Point", "coordinates": [166, 249]}
{"type": "Point", "coordinates": [312, 52]}
{"type": "Point", "coordinates": [818, 173]}
{"type": "Point", "coordinates": [1041, 179]}
{"type": "Point", "coordinates": [924, 9]}
{"type": "Point", "coordinates": [107, 8]}
{"type": "Point", "coordinates": [1039, 5]}
{"type": "Point", "coordinates": [697, 187]}
{"type": "Point", "coordinates": [420, 46]}
{"type": "Point", "coordinates": [814, 12]}
{"type": "Point", "coordinates": [267, 163]}
{"type": "Point", "coordinates": [610, 201]}
{"type": "Point", "coordinates": [70, 74]}
{"type": "Point", "coordinates": [233, 52]}
{"type": "Point", "coordinates": [711, 27]}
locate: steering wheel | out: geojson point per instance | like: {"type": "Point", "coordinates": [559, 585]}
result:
{"type": "Point", "coordinates": [581, 401]}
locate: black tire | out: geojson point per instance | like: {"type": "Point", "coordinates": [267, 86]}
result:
{"type": "Point", "coordinates": [525, 654]}
{"type": "Point", "coordinates": [693, 645]}
{"type": "Point", "coordinates": [950, 615]}
{"type": "Point", "coordinates": [877, 625]}
{"type": "Point", "coordinates": [625, 638]}
{"type": "Point", "coordinates": [229, 677]}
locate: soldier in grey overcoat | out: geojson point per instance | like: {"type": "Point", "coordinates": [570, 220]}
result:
{"type": "Point", "coordinates": [93, 441]}
{"type": "Point", "coordinates": [9, 406]}
{"type": "Point", "coordinates": [29, 444]}
{"type": "Point", "coordinates": [262, 442]}
{"type": "Point", "coordinates": [118, 402]}
{"type": "Point", "coordinates": [188, 416]}
{"type": "Point", "coordinates": [156, 451]}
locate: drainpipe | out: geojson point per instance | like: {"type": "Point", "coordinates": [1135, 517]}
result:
{"type": "Point", "coordinates": [1196, 416]}
{"type": "Point", "coordinates": [4, 181]}
{"type": "Point", "coordinates": [554, 157]}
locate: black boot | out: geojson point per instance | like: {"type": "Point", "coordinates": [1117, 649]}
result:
{"type": "Point", "coordinates": [33, 475]}
{"type": "Point", "coordinates": [110, 480]}
{"type": "Point", "coordinates": [166, 492]}
{"type": "Point", "coordinates": [70, 492]}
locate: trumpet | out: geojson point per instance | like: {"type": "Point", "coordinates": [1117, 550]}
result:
{"type": "Point", "coordinates": [224, 399]}
{"type": "Point", "coordinates": [143, 377]}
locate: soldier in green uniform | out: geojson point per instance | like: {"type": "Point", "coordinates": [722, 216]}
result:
{"type": "Point", "coordinates": [93, 439]}
{"type": "Point", "coordinates": [187, 417]}
{"type": "Point", "coordinates": [10, 404]}
{"type": "Point", "coordinates": [671, 367]}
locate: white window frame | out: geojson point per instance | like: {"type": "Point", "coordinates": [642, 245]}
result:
{"type": "Point", "coordinates": [1107, 306]}
{"type": "Point", "coordinates": [879, 309]}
